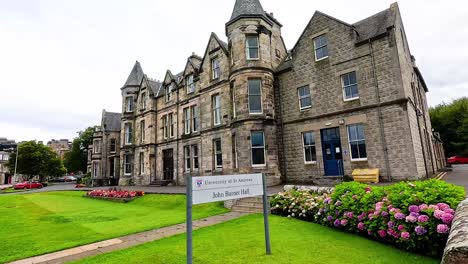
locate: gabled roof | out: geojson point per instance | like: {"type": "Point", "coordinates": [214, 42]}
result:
{"type": "Point", "coordinates": [136, 76]}
{"type": "Point", "coordinates": [222, 44]}
{"type": "Point", "coordinates": [195, 61]}
{"type": "Point", "coordinates": [154, 86]}
{"type": "Point", "coordinates": [111, 121]}
{"type": "Point", "coordinates": [174, 78]}
{"type": "Point", "coordinates": [374, 26]}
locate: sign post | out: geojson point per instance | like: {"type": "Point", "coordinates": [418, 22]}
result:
{"type": "Point", "coordinates": [207, 189]}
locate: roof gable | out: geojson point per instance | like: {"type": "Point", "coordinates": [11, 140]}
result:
{"type": "Point", "coordinates": [214, 40]}
{"type": "Point", "coordinates": [111, 121]}
{"type": "Point", "coordinates": [374, 26]}
{"type": "Point", "coordinates": [136, 76]}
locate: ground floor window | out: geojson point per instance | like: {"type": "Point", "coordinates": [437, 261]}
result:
{"type": "Point", "coordinates": [195, 157]}
{"type": "Point", "coordinates": [258, 148]}
{"type": "Point", "coordinates": [128, 164]}
{"type": "Point", "coordinates": [310, 155]}
{"type": "Point", "coordinates": [218, 154]}
{"type": "Point", "coordinates": [187, 158]}
{"type": "Point", "coordinates": [142, 163]}
{"type": "Point", "coordinates": [357, 142]}
{"type": "Point", "coordinates": [95, 169]}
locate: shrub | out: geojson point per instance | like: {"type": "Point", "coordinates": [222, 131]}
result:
{"type": "Point", "coordinates": [114, 193]}
{"type": "Point", "coordinates": [415, 216]}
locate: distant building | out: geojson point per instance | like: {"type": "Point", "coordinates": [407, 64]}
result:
{"type": "Point", "coordinates": [6, 147]}
{"type": "Point", "coordinates": [61, 147]}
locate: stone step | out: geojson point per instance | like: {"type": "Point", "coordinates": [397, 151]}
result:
{"type": "Point", "coordinates": [246, 209]}
{"type": "Point", "coordinates": [251, 204]}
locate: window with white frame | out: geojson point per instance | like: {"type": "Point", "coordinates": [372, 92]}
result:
{"type": "Point", "coordinates": [128, 134]}
{"type": "Point", "coordinates": [187, 120]}
{"type": "Point", "coordinates": [165, 126]}
{"type": "Point", "coordinates": [217, 154]}
{"type": "Point", "coordinates": [195, 157]}
{"type": "Point", "coordinates": [258, 148]}
{"type": "Point", "coordinates": [95, 169]}
{"type": "Point", "coordinates": [168, 92]}
{"type": "Point", "coordinates": [234, 151]}
{"type": "Point", "coordinates": [142, 163]}
{"type": "Point", "coordinates": [142, 131]}
{"type": "Point", "coordinates": [308, 140]}
{"type": "Point", "coordinates": [357, 142]}
{"type": "Point", "coordinates": [195, 118]}
{"type": "Point", "coordinates": [113, 145]}
{"type": "Point", "coordinates": [321, 47]}
{"type": "Point", "coordinates": [129, 104]}
{"type": "Point", "coordinates": [255, 96]}
{"type": "Point", "coordinates": [252, 47]}
{"type": "Point", "coordinates": [305, 100]}
{"type": "Point", "coordinates": [171, 124]}
{"type": "Point", "coordinates": [216, 107]}
{"type": "Point", "coordinates": [233, 94]}
{"type": "Point", "coordinates": [215, 68]}
{"type": "Point", "coordinates": [187, 158]}
{"type": "Point", "coordinates": [128, 164]}
{"type": "Point", "coordinates": [350, 86]}
{"type": "Point", "coordinates": [190, 84]}
{"type": "Point", "coordinates": [143, 101]}
{"type": "Point", "coordinates": [97, 146]}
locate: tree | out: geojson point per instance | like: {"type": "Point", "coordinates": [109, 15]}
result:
{"type": "Point", "coordinates": [77, 158]}
{"type": "Point", "coordinates": [451, 121]}
{"type": "Point", "coordinates": [36, 160]}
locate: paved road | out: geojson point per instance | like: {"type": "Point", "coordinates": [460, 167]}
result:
{"type": "Point", "coordinates": [458, 176]}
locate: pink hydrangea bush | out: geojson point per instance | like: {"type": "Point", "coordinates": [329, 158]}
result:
{"type": "Point", "coordinates": [420, 226]}
{"type": "Point", "coordinates": [114, 193]}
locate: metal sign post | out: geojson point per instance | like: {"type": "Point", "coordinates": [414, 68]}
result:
{"type": "Point", "coordinates": [208, 189]}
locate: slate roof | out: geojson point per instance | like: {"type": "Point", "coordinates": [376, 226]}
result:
{"type": "Point", "coordinates": [136, 75]}
{"type": "Point", "coordinates": [154, 86]}
{"type": "Point", "coordinates": [111, 121]}
{"type": "Point", "coordinates": [247, 7]}
{"type": "Point", "coordinates": [375, 25]}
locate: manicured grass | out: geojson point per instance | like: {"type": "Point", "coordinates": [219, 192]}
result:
{"type": "Point", "coordinates": [35, 224]}
{"type": "Point", "coordinates": [11, 190]}
{"type": "Point", "coordinates": [242, 241]}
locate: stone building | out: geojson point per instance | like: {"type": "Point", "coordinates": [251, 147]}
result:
{"type": "Point", "coordinates": [104, 153]}
{"type": "Point", "coordinates": [346, 96]}
{"type": "Point", "coordinates": [6, 148]}
{"type": "Point", "coordinates": [61, 147]}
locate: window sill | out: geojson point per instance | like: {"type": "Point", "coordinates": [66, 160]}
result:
{"type": "Point", "coordinates": [259, 166]}
{"type": "Point", "coordinates": [310, 163]}
{"type": "Point", "coordinates": [256, 114]}
{"type": "Point", "coordinates": [304, 109]}
{"type": "Point", "coordinates": [358, 160]}
{"type": "Point", "coordinates": [253, 59]}
{"type": "Point", "coordinates": [321, 59]}
{"type": "Point", "coordinates": [351, 99]}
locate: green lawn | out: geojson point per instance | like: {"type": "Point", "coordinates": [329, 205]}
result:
{"type": "Point", "coordinates": [11, 190]}
{"type": "Point", "coordinates": [242, 241]}
{"type": "Point", "coordinates": [34, 224]}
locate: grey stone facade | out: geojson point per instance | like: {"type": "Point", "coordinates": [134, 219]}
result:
{"type": "Point", "coordinates": [170, 128]}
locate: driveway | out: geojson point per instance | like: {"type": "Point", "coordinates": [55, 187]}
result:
{"type": "Point", "coordinates": [458, 176]}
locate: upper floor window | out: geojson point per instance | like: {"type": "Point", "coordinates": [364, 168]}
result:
{"type": "Point", "coordinates": [215, 68]}
{"type": "Point", "coordinates": [128, 134]}
{"type": "Point", "coordinates": [258, 148]}
{"type": "Point", "coordinates": [255, 96]}
{"type": "Point", "coordinates": [171, 124]}
{"type": "Point", "coordinates": [320, 47]}
{"type": "Point", "coordinates": [129, 104]}
{"type": "Point", "coordinates": [187, 120]}
{"type": "Point", "coordinates": [310, 155]}
{"type": "Point", "coordinates": [168, 92]}
{"type": "Point", "coordinates": [350, 86]}
{"type": "Point", "coordinates": [252, 47]}
{"type": "Point", "coordinates": [190, 84]}
{"type": "Point", "coordinates": [113, 145]}
{"type": "Point", "coordinates": [217, 154]}
{"type": "Point", "coordinates": [305, 101]}
{"type": "Point", "coordinates": [142, 131]}
{"type": "Point", "coordinates": [195, 118]}
{"type": "Point", "coordinates": [357, 142]}
{"type": "Point", "coordinates": [143, 101]}
{"type": "Point", "coordinates": [165, 126]}
{"type": "Point", "coordinates": [97, 146]}
{"type": "Point", "coordinates": [216, 106]}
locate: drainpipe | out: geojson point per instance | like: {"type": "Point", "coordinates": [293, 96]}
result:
{"type": "Point", "coordinates": [177, 138]}
{"type": "Point", "coordinates": [420, 134]}
{"type": "Point", "coordinates": [381, 126]}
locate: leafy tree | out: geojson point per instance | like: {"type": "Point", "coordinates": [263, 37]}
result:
{"type": "Point", "coordinates": [77, 158]}
{"type": "Point", "coordinates": [35, 159]}
{"type": "Point", "coordinates": [451, 121]}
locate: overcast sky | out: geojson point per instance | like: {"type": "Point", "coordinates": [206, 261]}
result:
{"type": "Point", "coordinates": [62, 62]}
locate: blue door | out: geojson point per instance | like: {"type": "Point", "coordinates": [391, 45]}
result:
{"type": "Point", "coordinates": [332, 154]}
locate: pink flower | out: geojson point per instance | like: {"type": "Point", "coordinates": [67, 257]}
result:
{"type": "Point", "coordinates": [433, 207]}
{"type": "Point", "coordinates": [443, 229]}
{"type": "Point", "coordinates": [411, 219]}
{"type": "Point", "coordinates": [443, 206]}
{"type": "Point", "coordinates": [438, 214]}
{"type": "Point", "coordinates": [368, 189]}
{"type": "Point", "coordinates": [391, 224]}
{"type": "Point", "coordinates": [450, 211]}
{"type": "Point", "coordinates": [382, 233]}
{"type": "Point", "coordinates": [447, 218]}
{"type": "Point", "coordinates": [369, 232]}
{"type": "Point", "coordinates": [401, 227]}
{"type": "Point", "coordinates": [405, 235]}
{"type": "Point", "coordinates": [361, 226]}
{"type": "Point", "coordinates": [423, 207]}
{"type": "Point", "coordinates": [423, 218]}
{"type": "Point", "coordinates": [378, 206]}
{"type": "Point", "coordinates": [399, 216]}
{"type": "Point", "coordinates": [413, 208]}
{"type": "Point", "coordinates": [344, 222]}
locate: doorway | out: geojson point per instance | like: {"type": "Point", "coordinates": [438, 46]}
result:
{"type": "Point", "coordinates": [332, 152]}
{"type": "Point", "coordinates": [168, 165]}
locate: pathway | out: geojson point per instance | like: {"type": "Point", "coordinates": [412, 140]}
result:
{"type": "Point", "coordinates": [80, 252]}
{"type": "Point", "coordinates": [458, 176]}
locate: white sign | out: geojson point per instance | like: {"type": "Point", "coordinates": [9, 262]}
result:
{"type": "Point", "coordinates": [207, 189]}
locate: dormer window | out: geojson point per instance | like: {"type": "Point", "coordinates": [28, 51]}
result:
{"type": "Point", "coordinates": [129, 104]}
{"type": "Point", "coordinates": [252, 47]}
{"type": "Point", "coordinates": [190, 84]}
{"type": "Point", "coordinates": [321, 47]}
{"type": "Point", "coordinates": [168, 92]}
{"type": "Point", "coordinates": [215, 69]}
{"type": "Point", "coordinates": [143, 101]}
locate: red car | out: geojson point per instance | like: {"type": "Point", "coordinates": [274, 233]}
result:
{"type": "Point", "coordinates": [457, 160]}
{"type": "Point", "coordinates": [28, 185]}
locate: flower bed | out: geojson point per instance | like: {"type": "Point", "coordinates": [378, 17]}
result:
{"type": "Point", "coordinates": [115, 195]}
{"type": "Point", "coordinates": [415, 216]}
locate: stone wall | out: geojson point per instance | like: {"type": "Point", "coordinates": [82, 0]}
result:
{"type": "Point", "coordinates": [456, 250]}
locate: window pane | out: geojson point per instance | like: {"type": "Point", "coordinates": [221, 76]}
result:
{"type": "Point", "coordinates": [352, 133]}
{"type": "Point", "coordinates": [253, 53]}
{"type": "Point", "coordinates": [345, 79]}
{"type": "Point", "coordinates": [325, 51]}
{"type": "Point", "coordinates": [252, 41]}
{"type": "Point", "coordinates": [309, 138]}
{"type": "Point", "coordinates": [362, 150]}
{"type": "Point", "coordinates": [218, 145]}
{"type": "Point", "coordinates": [255, 104]}
{"type": "Point", "coordinates": [308, 154]}
{"type": "Point", "coordinates": [354, 91]}
{"type": "Point", "coordinates": [313, 153]}
{"type": "Point", "coordinates": [219, 160]}
{"type": "Point", "coordinates": [254, 87]}
{"type": "Point", "coordinates": [257, 139]}
{"type": "Point", "coordinates": [258, 156]}
{"type": "Point", "coordinates": [354, 150]}
{"type": "Point", "coordinates": [306, 102]}
{"type": "Point", "coordinates": [360, 132]}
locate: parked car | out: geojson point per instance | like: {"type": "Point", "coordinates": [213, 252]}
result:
{"type": "Point", "coordinates": [457, 160]}
{"type": "Point", "coordinates": [69, 178]}
{"type": "Point", "coordinates": [28, 185]}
